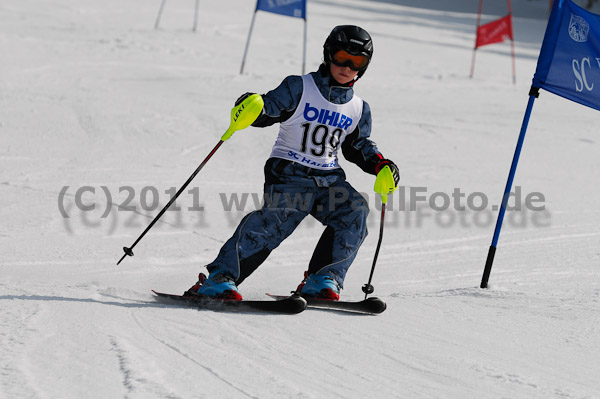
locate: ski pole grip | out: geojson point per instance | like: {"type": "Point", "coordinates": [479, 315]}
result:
{"type": "Point", "coordinates": [384, 183]}
{"type": "Point", "coordinates": [244, 114]}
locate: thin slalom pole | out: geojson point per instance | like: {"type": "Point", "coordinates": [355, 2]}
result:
{"type": "Point", "coordinates": [160, 11]}
{"type": "Point", "coordinates": [196, 12]}
{"type": "Point", "coordinates": [304, 48]}
{"type": "Point", "coordinates": [514, 66]}
{"type": "Point", "coordinates": [512, 44]}
{"type": "Point", "coordinates": [533, 94]}
{"type": "Point", "coordinates": [248, 41]}
{"type": "Point", "coordinates": [476, 33]}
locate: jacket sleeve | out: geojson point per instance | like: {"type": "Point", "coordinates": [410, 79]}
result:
{"type": "Point", "coordinates": [281, 102]}
{"type": "Point", "coordinates": [358, 149]}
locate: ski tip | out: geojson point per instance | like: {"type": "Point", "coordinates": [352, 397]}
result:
{"type": "Point", "coordinates": [160, 293]}
{"type": "Point", "coordinates": [299, 304]}
{"type": "Point", "coordinates": [376, 305]}
{"type": "Point", "coordinates": [295, 302]}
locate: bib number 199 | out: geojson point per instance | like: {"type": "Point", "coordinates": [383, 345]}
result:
{"type": "Point", "coordinates": [319, 137]}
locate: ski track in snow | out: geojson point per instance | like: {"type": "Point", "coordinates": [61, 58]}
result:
{"type": "Point", "coordinates": [16, 336]}
{"type": "Point", "coordinates": [91, 95]}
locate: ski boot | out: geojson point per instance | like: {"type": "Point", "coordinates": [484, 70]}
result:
{"type": "Point", "coordinates": [219, 286]}
{"type": "Point", "coordinates": [320, 287]}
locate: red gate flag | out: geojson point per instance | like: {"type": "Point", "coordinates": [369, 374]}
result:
{"type": "Point", "coordinates": [494, 32]}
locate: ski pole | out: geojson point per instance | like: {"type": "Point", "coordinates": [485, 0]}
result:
{"type": "Point", "coordinates": [384, 185]}
{"type": "Point", "coordinates": [368, 288]}
{"type": "Point", "coordinates": [242, 116]}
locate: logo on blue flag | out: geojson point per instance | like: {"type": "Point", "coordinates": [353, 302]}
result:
{"type": "Point", "coordinates": [578, 28]}
{"type": "Point", "coordinates": [569, 61]}
{"type": "Point", "coordinates": [291, 8]}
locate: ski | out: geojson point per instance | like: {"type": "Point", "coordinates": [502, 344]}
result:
{"type": "Point", "coordinates": [285, 304]}
{"type": "Point", "coordinates": [372, 305]}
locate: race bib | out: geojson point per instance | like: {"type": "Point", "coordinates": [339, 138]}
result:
{"type": "Point", "coordinates": [316, 130]}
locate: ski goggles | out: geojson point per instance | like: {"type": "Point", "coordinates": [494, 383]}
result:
{"type": "Point", "coordinates": [343, 58]}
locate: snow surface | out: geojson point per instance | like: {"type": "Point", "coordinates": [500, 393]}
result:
{"type": "Point", "coordinates": [92, 96]}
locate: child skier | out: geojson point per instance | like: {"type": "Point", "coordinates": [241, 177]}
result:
{"type": "Point", "coordinates": [318, 114]}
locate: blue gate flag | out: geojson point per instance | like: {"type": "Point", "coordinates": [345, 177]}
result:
{"type": "Point", "coordinates": [569, 61]}
{"type": "Point", "coordinates": [291, 8]}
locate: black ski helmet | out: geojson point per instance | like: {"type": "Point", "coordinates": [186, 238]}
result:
{"type": "Point", "coordinates": [350, 38]}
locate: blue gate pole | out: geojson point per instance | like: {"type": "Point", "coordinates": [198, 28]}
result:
{"type": "Point", "coordinates": [533, 94]}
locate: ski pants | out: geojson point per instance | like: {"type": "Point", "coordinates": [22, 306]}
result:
{"type": "Point", "coordinates": [292, 192]}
